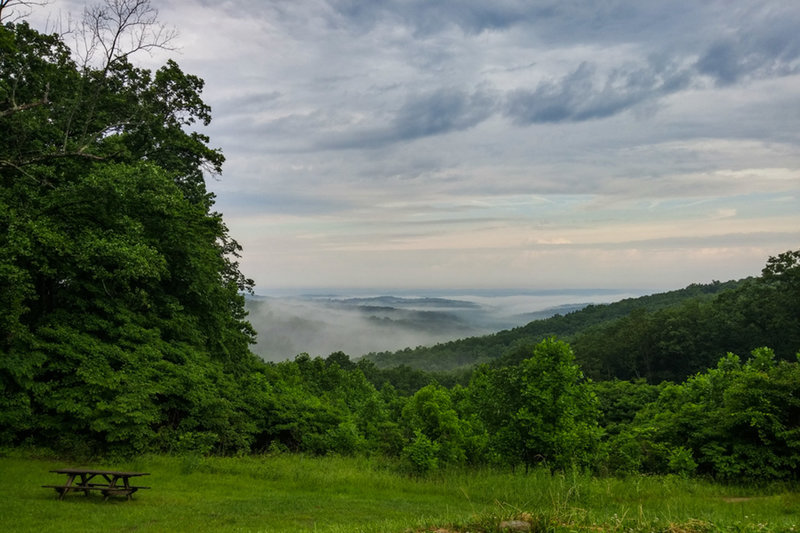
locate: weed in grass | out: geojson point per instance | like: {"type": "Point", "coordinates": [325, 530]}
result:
{"type": "Point", "coordinates": [190, 463]}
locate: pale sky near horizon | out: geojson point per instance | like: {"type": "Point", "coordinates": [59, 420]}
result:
{"type": "Point", "coordinates": [503, 143]}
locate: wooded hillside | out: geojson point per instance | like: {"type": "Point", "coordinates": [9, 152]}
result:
{"type": "Point", "coordinates": [666, 336]}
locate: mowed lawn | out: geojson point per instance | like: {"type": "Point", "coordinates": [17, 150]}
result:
{"type": "Point", "coordinates": [290, 493]}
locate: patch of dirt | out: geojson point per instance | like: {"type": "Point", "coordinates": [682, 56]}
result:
{"type": "Point", "coordinates": [736, 500]}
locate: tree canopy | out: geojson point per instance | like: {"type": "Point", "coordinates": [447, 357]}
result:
{"type": "Point", "coordinates": [123, 316]}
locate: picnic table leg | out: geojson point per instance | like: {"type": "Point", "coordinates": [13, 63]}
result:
{"type": "Point", "coordinates": [111, 482]}
{"type": "Point", "coordinates": [85, 482]}
{"type": "Point", "coordinates": [67, 486]}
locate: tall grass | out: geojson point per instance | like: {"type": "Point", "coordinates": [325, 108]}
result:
{"type": "Point", "coordinates": [334, 494]}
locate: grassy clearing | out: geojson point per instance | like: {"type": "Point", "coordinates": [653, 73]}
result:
{"type": "Point", "coordinates": [333, 494]}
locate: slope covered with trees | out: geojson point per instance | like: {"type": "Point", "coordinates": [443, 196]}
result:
{"type": "Point", "coordinates": [499, 347]}
{"type": "Point", "coordinates": [123, 319]}
{"type": "Point", "coordinates": [667, 336]}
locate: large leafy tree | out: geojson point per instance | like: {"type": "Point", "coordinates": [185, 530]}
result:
{"type": "Point", "coordinates": [430, 413]}
{"type": "Point", "coordinates": [540, 411]}
{"type": "Point", "coordinates": [122, 322]}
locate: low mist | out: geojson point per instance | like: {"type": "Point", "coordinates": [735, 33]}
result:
{"type": "Point", "coordinates": [321, 325]}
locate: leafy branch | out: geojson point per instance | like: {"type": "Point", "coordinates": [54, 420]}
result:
{"type": "Point", "coordinates": [16, 108]}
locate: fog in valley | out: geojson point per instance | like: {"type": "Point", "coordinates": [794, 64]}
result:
{"type": "Point", "coordinates": [357, 323]}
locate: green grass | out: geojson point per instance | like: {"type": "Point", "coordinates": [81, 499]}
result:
{"type": "Point", "coordinates": [333, 494]}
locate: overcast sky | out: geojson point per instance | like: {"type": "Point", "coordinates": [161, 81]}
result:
{"type": "Point", "coordinates": [500, 143]}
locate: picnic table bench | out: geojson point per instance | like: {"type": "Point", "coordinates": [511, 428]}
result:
{"type": "Point", "coordinates": [108, 482]}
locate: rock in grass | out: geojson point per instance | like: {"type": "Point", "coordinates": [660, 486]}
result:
{"type": "Point", "coordinates": [515, 525]}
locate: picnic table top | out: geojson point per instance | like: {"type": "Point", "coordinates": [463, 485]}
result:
{"type": "Point", "coordinates": [99, 472]}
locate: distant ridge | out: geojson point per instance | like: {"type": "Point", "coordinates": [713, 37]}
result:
{"type": "Point", "coordinates": [323, 321]}
{"type": "Point", "coordinates": [399, 301]}
{"type": "Point", "coordinates": [552, 311]}
{"type": "Point", "coordinates": [463, 353]}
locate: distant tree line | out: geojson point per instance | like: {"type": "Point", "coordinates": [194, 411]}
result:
{"type": "Point", "coordinates": [501, 348]}
{"type": "Point", "coordinates": [661, 337]}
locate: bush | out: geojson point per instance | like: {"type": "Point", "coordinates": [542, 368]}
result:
{"type": "Point", "coordinates": [681, 462]}
{"type": "Point", "coordinates": [421, 454]}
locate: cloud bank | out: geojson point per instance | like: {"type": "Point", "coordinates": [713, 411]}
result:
{"type": "Point", "coordinates": [500, 144]}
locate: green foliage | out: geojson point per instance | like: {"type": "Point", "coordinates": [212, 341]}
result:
{"type": "Point", "coordinates": [541, 411]}
{"type": "Point", "coordinates": [510, 347]}
{"type": "Point", "coordinates": [123, 324]}
{"type": "Point", "coordinates": [123, 327]}
{"type": "Point", "coordinates": [735, 421]}
{"type": "Point", "coordinates": [557, 412]}
{"type": "Point", "coordinates": [430, 413]}
{"type": "Point", "coordinates": [422, 454]}
{"type": "Point", "coordinates": [619, 401]}
{"type": "Point", "coordinates": [318, 407]}
{"type": "Point", "coordinates": [681, 462]}
{"type": "Point", "coordinates": [677, 342]}
{"type": "Point", "coordinates": [662, 337]}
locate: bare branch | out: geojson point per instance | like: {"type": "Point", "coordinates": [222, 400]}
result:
{"type": "Point", "coordinates": [23, 107]}
{"type": "Point", "coordinates": [17, 108]}
{"type": "Point", "coordinates": [116, 29]}
{"type": "Point", "coordinates": [14, 10]}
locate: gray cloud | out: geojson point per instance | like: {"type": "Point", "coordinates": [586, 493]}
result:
{"type": "Point", "coordinates": [721, 62]}
{"type": "Point", "coordinates": [340, 92]}
{"type": "Point", "coordinates": [441, 112]}
{"type": "Point", "coordinates": [757, 41]}
{"type": "Point", "coordinates": [435, 113]}
{"type": "Point", "coordinates": [427, 18]}
{"type": "Point", "coordinates": [293, 202]}
{"type": "Point", "coordinates": [578, 96]}
{"type": "Point", "coordinates": [772, 53]}
{"type": "Point", "coordinates": [247, 103]}
{"type": "Point", "coordinates": [350, 127]}
{"type": "Point", "coordinates": [550, 20]}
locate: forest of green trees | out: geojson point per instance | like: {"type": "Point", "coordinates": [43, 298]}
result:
{"type": "Point", "coordinates": [666, 336]}
{"type": "Point", "coordinates": [123, 327]}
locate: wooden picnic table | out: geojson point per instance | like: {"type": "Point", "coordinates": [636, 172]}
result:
{"type": "Point", "coordinates": [108, 482]}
